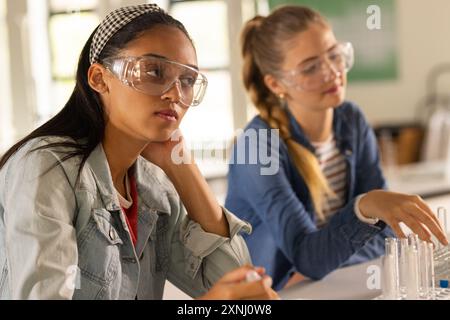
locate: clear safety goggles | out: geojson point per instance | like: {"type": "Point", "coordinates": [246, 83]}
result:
{"type": "Point", "coordinates": [313, 74]}
{"type": "Point", "coordinates": [155, 76]}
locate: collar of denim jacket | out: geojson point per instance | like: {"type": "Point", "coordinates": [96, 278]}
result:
{"type": "Point", "coordinates": [342, 130]}
{"type": "Point", "coordinates": [153, 191]}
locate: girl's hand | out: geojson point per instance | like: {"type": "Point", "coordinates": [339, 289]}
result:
{"type": "Point", "coordinates": [168, 153]}
{"type": "Point", "coordinates": [232, 286]}
{"type": "Point", "coordinates": [393, 208]}
{"type": "Point", "coordinates": [175, 160]}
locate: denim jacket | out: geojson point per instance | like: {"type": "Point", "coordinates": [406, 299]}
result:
{"type": "Point", "coordinates": [285, 237]}
{"type": "Point", "coordinates": [62, 240]}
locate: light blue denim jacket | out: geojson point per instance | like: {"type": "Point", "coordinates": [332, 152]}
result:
{"type": "Point", "coordinates": [59, 240]}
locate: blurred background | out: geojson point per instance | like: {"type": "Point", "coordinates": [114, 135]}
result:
{"type": "Point", "coordinates": [401, 77]}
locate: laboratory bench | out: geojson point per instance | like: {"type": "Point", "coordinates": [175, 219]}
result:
{"type": "Point", "coordinates": [357, 282]}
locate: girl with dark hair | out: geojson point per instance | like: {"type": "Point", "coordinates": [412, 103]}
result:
{"type": "Point", "coordinates": [323, 207]}
{"type": "Point", "coordinates": [92, 203]}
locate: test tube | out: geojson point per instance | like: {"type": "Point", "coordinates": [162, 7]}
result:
{"type": "Point", "coordinates": [441, 268]}
{"type": "Point", "coordinates": [442, 217]}
{"type": "Point", "coordinates": [402, 264]}
{"type": "Point", "coordinates": [431, 278]}
{"type": "Point", "coordinates": [390, 270]}
{"type": "Point", "coordinates": [442, 253]}
{"type": "Point", "coordinates": [446, 275]}
{"type": "Point", "coordinates": [412, 278]}
{"type": "Point", "coordinates": [424, 272]}
{"type": "Point", "coordinates": [413, 240]}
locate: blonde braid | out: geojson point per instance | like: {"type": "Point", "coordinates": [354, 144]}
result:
{"type": "Point", "coordinates": [304, 160]}
{"type": "Point", "coordinates": [258, 50]}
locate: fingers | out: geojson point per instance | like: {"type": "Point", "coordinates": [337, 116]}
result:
{"type": "Point", "coordinates": [248, 290]}
{"type": "Point", "coordinates": [237, 274]}
{"type": "Point", "coordinates": [394, 208]}
{"type": "Point", "coordinates": [233, 286]}
{"type": "Point", "coordinates": [417, 228]}
{"type": "Point", "coordinates": [240, 273]}
{"type": "Point", "coordinates": [426, 218]}
{"type": "Point", "coordinates": [428, 210]}
{"type": "Point", "coordinates": [396, 228]}
{"type": "Point", "coordinates": [414, 226]}
{"type": "Point", "coordinates": [261, 270]}
{"type": "Point", "coordinates": [269, 295]}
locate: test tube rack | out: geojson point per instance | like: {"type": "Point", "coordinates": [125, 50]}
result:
{"type": "Point", "coordinates": [413, 269]}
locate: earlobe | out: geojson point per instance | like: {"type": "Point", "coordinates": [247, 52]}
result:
{"type": "Point", "coordinates": [273, 84]}
{"type": "Point", "coordinates": [96, 78]}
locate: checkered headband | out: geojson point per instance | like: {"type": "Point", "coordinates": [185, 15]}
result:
{"type": "Point", "coordinates": [115, 21]}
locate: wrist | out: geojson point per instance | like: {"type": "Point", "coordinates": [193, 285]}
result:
{"type": "Point", "coordinates": [176, 161]}
{"type": "Point", "coordinates": [360, 211]}
{"type": "Point", "coordinates": [174, 170]}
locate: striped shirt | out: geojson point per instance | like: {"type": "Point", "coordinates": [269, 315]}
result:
{"type": "Point", "coordinates": [334, 167]}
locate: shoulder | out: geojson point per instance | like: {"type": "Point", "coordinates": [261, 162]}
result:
{"type": "Point", "coordinates": [256, 138]}
{"type": "Point", "coordinates": [36, 170]}
{"type": "Point", "coordinates": [349, 109]}
{"type": "Point", "coordinates": [259, 129]}
{"type": "Point", "coordinates": [257, 123]}
{"type": "Point", "coordinates": [350, 113]}
{"type": "Point", "coordinates": [43, 150]}
{"type": "Point", "coordinates": [40, 155]}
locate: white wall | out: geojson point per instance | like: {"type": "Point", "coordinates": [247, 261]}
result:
{"type": "Point", "coordinates": [6, 130]}
{"type": "Point", "coordinates": [422, 33]}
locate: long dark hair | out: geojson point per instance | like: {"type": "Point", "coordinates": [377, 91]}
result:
{"type": "Point", "coordinates": [82, 118]}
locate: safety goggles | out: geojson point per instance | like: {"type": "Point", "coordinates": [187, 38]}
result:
{"type": "Point", "coordinates": [313, 74]}
{"type": "Point", "coordinates": [156, 75]}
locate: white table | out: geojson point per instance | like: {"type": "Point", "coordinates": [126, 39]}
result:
{"type": "Point", "coordinates": [427, 179]}
{"type": "Point", "coordinates": [349, 283]}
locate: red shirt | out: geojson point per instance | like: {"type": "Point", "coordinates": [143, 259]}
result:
{"type": "Point", "coordinates": [131, 213]}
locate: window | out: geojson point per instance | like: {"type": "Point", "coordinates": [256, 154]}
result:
{"type": "Point", "coordinates": [70, 25]}
{"type": "Point", "coordinates": [212, 121]}
{"type": "Point", "coordinates": [162, 3]}
{"type": "Point", "coordinates": [6, 134]}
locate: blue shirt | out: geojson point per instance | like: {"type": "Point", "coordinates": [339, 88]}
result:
{"type": "Point", "coordinates": [285, 237]}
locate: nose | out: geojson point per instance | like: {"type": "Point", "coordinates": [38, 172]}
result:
{"type": "Point", "coordinates": [330, 71]}
{"type": "Point", "coordinates": [173, 92]}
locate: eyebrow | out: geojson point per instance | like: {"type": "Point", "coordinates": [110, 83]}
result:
{"type": "Point", "coordinates": [315, 57]}
{"type": "Point", "coordinates": [163, 57]}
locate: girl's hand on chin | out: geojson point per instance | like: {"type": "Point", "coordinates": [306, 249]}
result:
{"type": "Point", "coordinates": [168, 154]}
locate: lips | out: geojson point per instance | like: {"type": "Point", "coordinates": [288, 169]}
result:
{"type": "Point", "coordinates": [333, 89]}
{"type": "Point", "coordinates": [168, 114]}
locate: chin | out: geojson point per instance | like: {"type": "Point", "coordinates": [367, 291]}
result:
{"type": "Point", "coordinates": [340, 101]}
{"type": "Point", "coordinates": [161, 137]}
{"type": "Point", "coordinates": [334, 102]}
{"type": "Point", "coordinates": [164, 135]}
